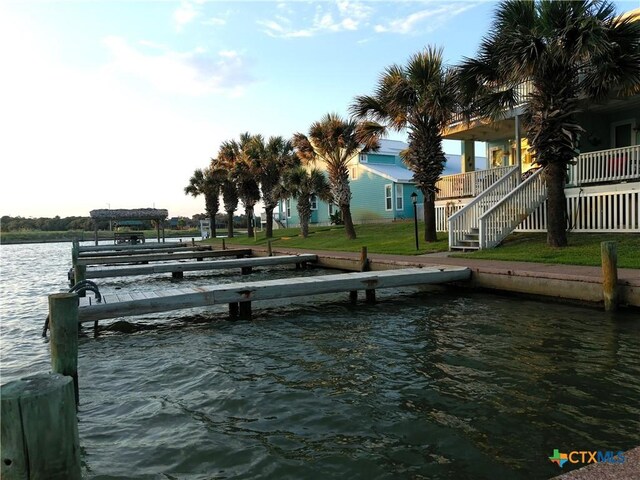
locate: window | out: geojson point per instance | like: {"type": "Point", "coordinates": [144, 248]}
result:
{"type": "Point", "coordinates": [622, 134]}
{"type": "Point", "coordinates": [288, 207]}
{"type": "Point", "coordinates": [399, 196]}
{"type": "Point", "coordinates": [314, 202]}
{"type": "Point", "coordinates": [364, 158]}
{"type": "Point", "coordinates": [331, 209]}
{"type": "Point", "coordinates": [387, 198]}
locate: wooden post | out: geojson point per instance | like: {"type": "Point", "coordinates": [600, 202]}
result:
{"type": "Point", "coordinates": [80, 274]}
{"type": "Point", "coordinates": [353, 297]}
{"type": "Point", "coordinates": [269, 249]}
{"type": "Point", "coordinates": [224, 247]}
{"type": "Point", "coordinates": [370, 295]}
{"type": "Point", "coordinates": [39, 429]}
{"type": "Point", "coordinates": [609, 255]}
{"type": "Point", "coordinates": [246, 270]}
{"type": "Point", "coordinates": [179, 274]}
{"type": "Point", "coordinates": [234, 310]}
{"type": "Point", "coordinates": [63, 323]}
{"type": "Point", "coordinates": [245, 310]}
{"type": "Point", "coordinates": [193, 242]}
{"type": "Point", "coordinates": [75, 251]}
{"type": "Point", "coordinates": [364, 260]}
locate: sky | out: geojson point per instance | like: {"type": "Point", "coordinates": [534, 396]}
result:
{"type": "Point", "coordinates": [114, 104]}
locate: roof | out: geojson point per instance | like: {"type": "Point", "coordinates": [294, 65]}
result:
{"type": "Point", "coordinates": [400, 174]}
{"type": "Point", "coordinates": [395, 173]}
{"type": "Point", "coordinates": [130, 214]}
{"type": "Point", "coordinates": [389, 147]}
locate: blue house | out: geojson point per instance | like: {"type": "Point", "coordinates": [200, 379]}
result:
{"type": "Point", "coordinates": [381, 188]}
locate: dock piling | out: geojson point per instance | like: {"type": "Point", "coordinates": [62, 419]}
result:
{"type": "Point", "coordinates": [364, 260]}
{"type": "Point", "coordinates": [609, 255]}
{"type": "Point", "coordinates": [79, 275]}
{"type": "Point", "coordinates": [245, 310]}
{"type": "Point", "coordinates": [63, 323]}
{"type": "Point", "coordinates": [234, 310]}
{"type": "Point", "coordinates": [224, 247]}
{"type": "Point", "coordinates": [353, 297]}
{"type": "Point", "coordinates": [39, 429]}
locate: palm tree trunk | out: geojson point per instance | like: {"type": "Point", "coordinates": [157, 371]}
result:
{"type": "Point", "coordinates": [304, 213]}
{"type": "Point", "coordinates": [230, 224]}
{"type": "Point", "coordinates": [249, 214]}
{"type": "Point", "coordinates": [556, 206]}
{"type": "Point", "coordinates": [348, 222]}
{"type": "Point", "coordinates": [430, 234]}
{"type": "Point", "coordinates": [269, 214]}
{"type": "Point", "coordinates": [212, 223]}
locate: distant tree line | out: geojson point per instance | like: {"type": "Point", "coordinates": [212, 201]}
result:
{"type": "Point", "coordinates": [61, 224]}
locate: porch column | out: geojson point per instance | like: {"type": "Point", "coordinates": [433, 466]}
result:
{"type": "Point", "coordinates": [468, 156]}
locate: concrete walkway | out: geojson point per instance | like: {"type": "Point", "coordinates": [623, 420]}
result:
{"type": "Point", "coordinates": [570, 282]}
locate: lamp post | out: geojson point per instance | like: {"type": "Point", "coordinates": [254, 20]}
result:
{"type": "Point", "coordinates": [414, 200]}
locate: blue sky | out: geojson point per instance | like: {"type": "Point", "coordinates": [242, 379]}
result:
{"type": "Point", "coordinates": [115, 103]}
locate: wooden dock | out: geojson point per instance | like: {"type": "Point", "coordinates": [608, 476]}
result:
{"type": "Point", "coordinates": [240, 295]}
{"type": "Point", "coordinates": [140, 251]}
{"type": "Point", "coordinates": [124, 247]}
{"type": "Point", "coordinates": [161, 257]}
{"type": "Point", "coordinates": [178, 268]}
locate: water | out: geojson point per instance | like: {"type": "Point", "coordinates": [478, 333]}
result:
{"type": "Point", "coordinates": [421, 385]}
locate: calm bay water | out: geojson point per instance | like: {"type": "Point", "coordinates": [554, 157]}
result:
{"type": "Point", "coordinates": [421, 385]}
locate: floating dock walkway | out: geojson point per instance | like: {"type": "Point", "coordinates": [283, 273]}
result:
{"type": "Point", "coordinates": [178, 268]}
{"type": "Point", "coordinates": [240, 295]}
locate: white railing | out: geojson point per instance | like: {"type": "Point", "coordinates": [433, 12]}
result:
{"type": "Point", "coordinates": [469, 184]}
{"type": "Point", "coordinates": [617, 211]}
{"type": "Point", "coordinates": [461, 222]}
{"type": "Point", "coordinates": [523, 90]}
{"type": "Point", "coordinates": [500, 220]}
{"type": "Point", "coordinates": [614, 165]}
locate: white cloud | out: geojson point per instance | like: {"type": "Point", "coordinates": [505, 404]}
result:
{"type": "Point", "coordinates": [185, 14]}
{"type": "Point", "coordinates": [328, 18]}
{"type": "Point", "coordinates": [186, 73]}
{"type": "Point", "coordinates": [215, 21]}
{"type": "Point", "coordinates": [427, 20]}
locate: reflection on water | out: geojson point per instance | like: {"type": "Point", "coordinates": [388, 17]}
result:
{"type": "Point", "coordinates": [421, 385]}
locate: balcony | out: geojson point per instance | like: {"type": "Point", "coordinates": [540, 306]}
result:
{"type": "Point", "coordinates": [606, 166]}
{"type": "Point", "coordinates": [469, 184]}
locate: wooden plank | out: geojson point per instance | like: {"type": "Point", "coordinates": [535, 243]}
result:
{"type": "Point", "coordinates": [120, 271]}
{"type": "Point", "coordinates": [159, 257]}
{"type": "Point", "coordinates": [119, 253]}
{"type": "Point", "coordinates": [137, 295]}
{"type": "Point", "coordinates": [144, 246]}
{"type": "Point", "coordinates": [168, 299]}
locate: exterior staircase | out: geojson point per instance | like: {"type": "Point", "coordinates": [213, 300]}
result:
{"type": "Point", "coordinates": [496, 212]}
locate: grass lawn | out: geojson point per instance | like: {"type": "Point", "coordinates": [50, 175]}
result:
{"type": "Point", "coordinates": [397, 238]}
{"type": "Point", "coordinates": [583, 249]}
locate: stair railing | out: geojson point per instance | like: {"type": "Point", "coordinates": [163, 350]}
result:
{"type": "Point", "coordinates": [467, 218]}
{"type": "Point", "coordinates": [500, 220]}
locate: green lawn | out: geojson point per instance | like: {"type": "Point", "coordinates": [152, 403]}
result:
{"type": "Point", "coordinates": [396, 237]}
{"type": "Point", "coordinates": [583, 249]}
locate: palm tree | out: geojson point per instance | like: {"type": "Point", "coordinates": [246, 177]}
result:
{"type": "Point", "coordinates": [207, 182]}
{"type": "Point", "coordinates": [302, 185]}
{"type": "Point", "coordinates": [333, 141]}
{"type": "Point", "coordinates": [421, 98]}
{"type": "Point", "coordinates": [571, 52]}
{"type": "Point", "coordinates": [237, 159]}
{"type": "Point", "coordinates": [230, 200]}
{"type": "Point", "coordinates": [269, 161]}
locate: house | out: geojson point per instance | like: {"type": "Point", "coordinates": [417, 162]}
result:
{"type": "Point", "coordinates": [381, 187]}
{"type": "Point", "coordinates": [602, 191]}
